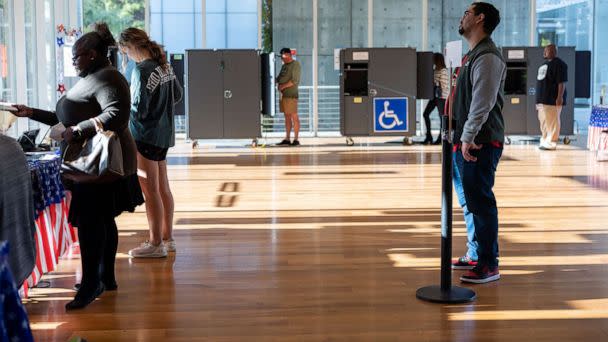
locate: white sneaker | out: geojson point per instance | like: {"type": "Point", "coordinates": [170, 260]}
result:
{"type": "Point", "coordinates": [548, 147]}
{"type": "Point", "coordinates": [148, 250]}
{"type": "Point", "coordinates": [170, 245]}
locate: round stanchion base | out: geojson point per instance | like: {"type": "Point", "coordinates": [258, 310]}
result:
{"type": "Point", "coordinates": [454, 295]}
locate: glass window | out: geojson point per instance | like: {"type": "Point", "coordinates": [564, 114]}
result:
{"type": "Point", "coordinates": [50, 93]}
{"type": "Point", "coordinates": [116, 15]}
{"type": "Point", "coordinates": [215, 6]}
{"type": "Point", "coordinates": [216, 30]}
{"type": "Point", "coordinates": [236, 6]}
{"type": "Point", "coordinates": [177, 24]}
{"type": "Point", "coordinates": [30, 52]}
{"type": "Point", "coordinates": [178, 32]}
{"type": "Point", "coordinates": [232, 24]}
{"type": "Point", "coordinates": [568, 23]}
{"type": "Point", "coordinates": [183, 6]}
{"type": "Point", "coordinates": [7, 79]}
{"type": "Point", "coordinates": [156, 30]}
{"type": "Point", "coordinates": [156, 4]}
{"type": "Point", "coordinates": [600, 51]}
{"type": "Point", "coordinates": [242, 31]}
{"type": "Point", "coordinates": [198, 34]}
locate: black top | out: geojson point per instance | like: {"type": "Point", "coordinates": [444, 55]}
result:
{"type": "Point", "coordinates": [102, 94]}
{"type": "Point", "coordinates": [550, 75]}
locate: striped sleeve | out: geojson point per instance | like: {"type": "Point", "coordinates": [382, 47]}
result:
{"type": "Point", "coordinates": [444, 81]}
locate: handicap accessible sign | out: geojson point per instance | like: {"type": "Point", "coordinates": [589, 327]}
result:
{"type": "Point", "coordinates": [390, 114]}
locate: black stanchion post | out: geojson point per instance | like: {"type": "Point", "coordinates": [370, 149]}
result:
{"type": "Point", "coordinates": [446, 208]}
{"type": "Point", "coordinates": [445, 292]}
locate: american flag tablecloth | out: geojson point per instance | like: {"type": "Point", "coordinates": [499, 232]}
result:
{"type": "Point", "coordinates": [598, 122]}
{"type": "Point", "coordinates": [54, 235]}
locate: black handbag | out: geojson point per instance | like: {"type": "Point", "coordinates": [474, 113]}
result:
{"type": "Point", "coordinates": [96, 160]}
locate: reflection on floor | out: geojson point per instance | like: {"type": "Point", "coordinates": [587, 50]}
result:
{"type": "Point", "coordinates": [329, 243]}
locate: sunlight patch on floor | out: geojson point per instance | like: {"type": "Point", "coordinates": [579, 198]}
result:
{"type": "Point", "coordinates": [581, 309]}
{"type": "Point", "coordinates": [411, 261]}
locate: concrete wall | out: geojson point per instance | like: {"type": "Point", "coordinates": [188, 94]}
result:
{"type": "Point", "coordinates": [292, 28]}
{"type": "Point", "coordinates": [398, 23]}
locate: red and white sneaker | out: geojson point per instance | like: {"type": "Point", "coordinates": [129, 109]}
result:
{"type": "Point", "coordinates": [464, 263]}
{"type": "Point", "coordinates": [481, 275]}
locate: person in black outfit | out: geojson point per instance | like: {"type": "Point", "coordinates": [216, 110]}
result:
{"type": "Point", "coordinates": [100, 98]}
{"type": "Point", "coordinates": [551, 96]}
{"type": "Point", "coordinates": [440, 80]}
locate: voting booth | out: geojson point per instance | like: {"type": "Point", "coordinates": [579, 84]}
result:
{"type": "Point", "coordinates": [223, 94]}
{"type": "Point", "coordinates": [378, 91]}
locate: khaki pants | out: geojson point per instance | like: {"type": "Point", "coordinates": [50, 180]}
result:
{"type": "Point", "coordinates": [288, 105]}
{"type": "Point", "coordinates": [549, 117]}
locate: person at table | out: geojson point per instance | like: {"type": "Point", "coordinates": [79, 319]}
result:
{"type": "Point", "coordinates": [17, 214]}
{"type": "Point", "coordinates": [101, 97]}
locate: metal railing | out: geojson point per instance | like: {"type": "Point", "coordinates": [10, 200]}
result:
{"type": "Point", "coordinates": [329, 111]}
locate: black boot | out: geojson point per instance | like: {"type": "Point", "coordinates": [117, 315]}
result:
{"type": "Point", "coordinates": [81, 300]}
{"type": "Point", "coordinates": [107, 286]}
{"type": "Point", "coordinates": [428, 140]}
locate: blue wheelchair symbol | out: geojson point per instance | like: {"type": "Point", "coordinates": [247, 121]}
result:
{"type": "Point", "coordinates": [390, 114]}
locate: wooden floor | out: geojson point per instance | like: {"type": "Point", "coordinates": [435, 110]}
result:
{"type": "Point", "coordinates": [329, 243]}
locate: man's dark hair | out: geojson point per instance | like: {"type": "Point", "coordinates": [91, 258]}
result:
{"type": "Point", "coordinates": [491, 14]}
{"type": "Point", "coordinates": [285, 50]}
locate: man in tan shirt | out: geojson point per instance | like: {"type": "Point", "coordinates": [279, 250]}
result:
{"type": "Point", "coordinates": [287, 82]}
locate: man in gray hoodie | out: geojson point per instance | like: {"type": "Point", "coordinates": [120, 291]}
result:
{"type": "Point", "coordinates": [477, 103]}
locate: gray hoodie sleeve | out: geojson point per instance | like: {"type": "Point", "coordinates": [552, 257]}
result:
{"type": "Point", "coordinates": [487, 74]}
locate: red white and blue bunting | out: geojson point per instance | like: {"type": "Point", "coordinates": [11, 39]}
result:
{"type": "Point", "coordinates": [65, 40]}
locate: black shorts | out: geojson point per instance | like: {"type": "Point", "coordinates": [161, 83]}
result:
{"type": "Point", "coordinates": [151, 152]}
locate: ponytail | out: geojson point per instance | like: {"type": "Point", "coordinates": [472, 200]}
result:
{"type": "Point", "coordinates": [158, 53]}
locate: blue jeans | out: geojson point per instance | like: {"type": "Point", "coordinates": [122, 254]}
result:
{"type": "Point", "coordinates": [468, 216]}
{"type": "Point", "coordinates": [477, 183]}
